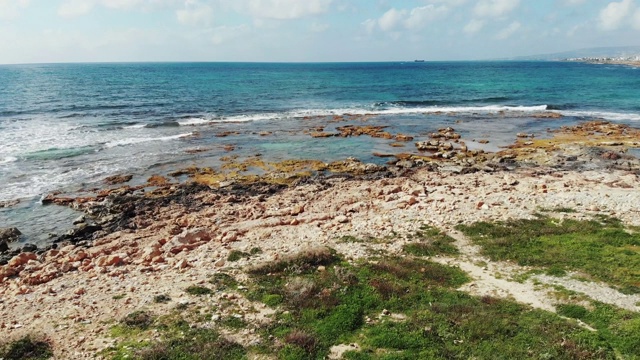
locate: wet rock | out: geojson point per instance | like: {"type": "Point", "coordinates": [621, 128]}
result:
{"type": "Point", "coordinates": [9, 203]}
{"type": "Point", "coordinates": [79, 220]}
{"type": "Point", "coordinates": [29, 247]}
{"type": "Point", "coordinates": [117, 179]}
{"type": "Point", "coordinates": [9, 234]}
{"type": "Point", "coordinates": [610, 155]}
{"type": "Point", "coordinates": [4, 246]}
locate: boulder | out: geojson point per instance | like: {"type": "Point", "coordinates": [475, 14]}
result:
{"type": "Point", "coordinates": [3, 246]}
{"type": "Point", "coordinates": [9, 234]}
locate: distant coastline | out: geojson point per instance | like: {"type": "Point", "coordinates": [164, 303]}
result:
{"type": "Point", "coordinates": [629, 61]}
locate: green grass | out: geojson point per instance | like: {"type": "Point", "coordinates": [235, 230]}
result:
{"type": "Point", "coordinates": [161, 299]}
{"type": "Point", "coordinates": [198, 290]}
{"type": "Point", "coordinates": [28, 347]}
{"type": "Point", "coordinates": [223, 281]}
{"type": "Point", "coordinates": [178, 340]}
{"type": "Point", "coordinates": [561, 209]}
{"type": "Point", "coordinates": [430, 242]}
{"type": "Point", "coordinates": [235, 255]}
{"type": "Point", "coordinates": [320, 309]}
{"type": "Point", "coordinates": [599, 248]}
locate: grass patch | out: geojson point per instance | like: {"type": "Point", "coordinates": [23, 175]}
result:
{"type": "Point", "coordinates": [138, 320]}
{"type": "Point", "coordinates": [565, 210]}
{"type": "Point", "coordinates": [599, 248]}
{"type": "Point", "coordinates": [431, 242]}
{"type": "Point", "coordinates": [177, 340]}
{"type": "Point", "coordinates": [223, 281]}
{"type": "Point", "coordinates": [161, 299]}
{"type": "Point", "coordinates": [233, 322]}
{"type": "Point", "coordinates": [198, 290]}
{"type": "Point", "coordinates": [236, 255]}
{"type": "Point", "coordinates": [28, 347]}
{"type": "Point", "coordinates": [322, 309]}
{"type": "Point", "coordinates": [299, 262]}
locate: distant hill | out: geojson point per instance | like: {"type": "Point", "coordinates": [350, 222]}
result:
{"type": "Point", "coordinates": [600, 52]}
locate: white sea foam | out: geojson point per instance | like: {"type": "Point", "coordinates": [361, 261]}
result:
{"type": "Point", "coordinates": [138, 140]}
{"type": "Point", "coordinates": [612, 116]}
{"type": "Point", "coordinates": [8, 159]}
{"type": "Point", "coordinates": [135, 126]}
{"type": "Point", "coordinates": [194, 121]}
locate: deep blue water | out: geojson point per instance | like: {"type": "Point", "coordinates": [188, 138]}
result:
{"type": "Point", "coordinates": [64, 126]}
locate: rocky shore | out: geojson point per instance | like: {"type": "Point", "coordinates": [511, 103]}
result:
{"type": "Point", "coordinates": [134, 243]}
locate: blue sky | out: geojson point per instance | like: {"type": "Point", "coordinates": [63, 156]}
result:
{"type": "Point", "coordinates": [307, 30]}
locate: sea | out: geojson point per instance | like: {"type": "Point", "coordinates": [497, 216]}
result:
{"type": "Point", "coordinates": [66, 127]}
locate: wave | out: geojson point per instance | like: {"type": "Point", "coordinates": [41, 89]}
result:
{"type": "Point", "coordinates": [422, 103]}
{"type": "Point", "coordinates": [131, 141]}
{"type": "Point", "coordinates": [170, 123]}
{"type": "Point", "coordinates": [191, 121]}
{"type": "Point", "coordinates": [611, 116]}
{"type": "Point", "coordinates": [59, 153]}
{"type": "Point", "coordinates": [8, 159]}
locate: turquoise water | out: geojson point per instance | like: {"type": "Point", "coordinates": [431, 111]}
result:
{"type": "Point", "coordinates": [68, 126]}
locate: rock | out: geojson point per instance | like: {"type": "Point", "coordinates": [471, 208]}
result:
{"type": "Point", "coordinates": [403, 137]}
{"type": "Point", "coordinates": [219, 263]}
{"type": "Point", "coordinates": [79, 220]}
{"type": "Point", "coordinates": [9, 203]}
{"type": "Point", "coordinates": [182, 264]}
{"type": "Point", "coordinates": [342, 219]}
{"type": "Point", "coordinates": [187, 238]}
{"type": "Point", "coordinates": [118, 179]}
{"type": "Point", "coordinates": [9, 234]}
{"type": "Point", "coordinates": [3, 246]}
{"type": "Point", "coordinates": [610, 155]}
{"type": "Point", "coordinates": [322, 134]}
{"type": "Point", "coordinates": [29, 248]}
{"type": "Point", "coordinates": [22, 259]}
{"type": "Point", "coordinates": [110, 260]}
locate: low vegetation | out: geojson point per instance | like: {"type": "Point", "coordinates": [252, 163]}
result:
{"type": "Point", "coordinates": [28, 348]}
{"type": "Point", "coordinates": [600, 248]}
{"type": "Point", "coordinates": [406, 308]}
{"type": "Point", "coordinates": [175, 338]}
{"type": "Point", "coordinates": [429, 241]}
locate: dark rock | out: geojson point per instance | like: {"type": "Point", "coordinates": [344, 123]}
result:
{"type": "Point", "coordinates": [3, 246]}
{"type": "Point", "coordinates": [29, 248]}
{"type": "Point", "coordinates": [9, 234]}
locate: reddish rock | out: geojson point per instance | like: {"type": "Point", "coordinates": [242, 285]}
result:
{"type": "Point", "coordinates": [22, 259]}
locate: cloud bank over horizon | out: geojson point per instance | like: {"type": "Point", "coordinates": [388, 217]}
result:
{"type": "Point", "coordinates": [37, 31]}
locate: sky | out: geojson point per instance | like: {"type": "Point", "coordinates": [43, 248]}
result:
{"type": "Point", "coordinates": [44, 31]}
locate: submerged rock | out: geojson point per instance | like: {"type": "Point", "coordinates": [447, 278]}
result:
{"type": "Point", "coordinates": [9, 234]}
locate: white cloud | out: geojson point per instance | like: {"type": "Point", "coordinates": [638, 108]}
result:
{"type": "Point", "coordinates": [10, 9]}
{"type": "Point", "coordinates": [222, 34]}
{"type": "Point", "coordinates": [473, 26]}
{"type": "Point", "coordinates": [315, 27]}
{"type": "Point", "coordinates": [283, 9]}
{"type": "Point", "coordinates": [421, 16]}
{"type": "Point", "coordinates": [509, 30]}
{"type": "Point", "coordinates": [195, 13]}
{"type": "Point", "coordinates": [391, 19]}
{"type": "Point", "coordinates": [636, 20]}
{"type": "Point", "coordinates": [398, 19]}
{"type": "Point", "coordinates": [73, 8]}
{"type": "Point", "coordinates": [495, 8]}
{"type": "Point", "coordinates": [614, 15]}
{"type": "Point", "coordinates": [369, 25]}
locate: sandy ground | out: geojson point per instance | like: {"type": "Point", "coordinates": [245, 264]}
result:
{"type": "Point", "coordinates": [80, 292]}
